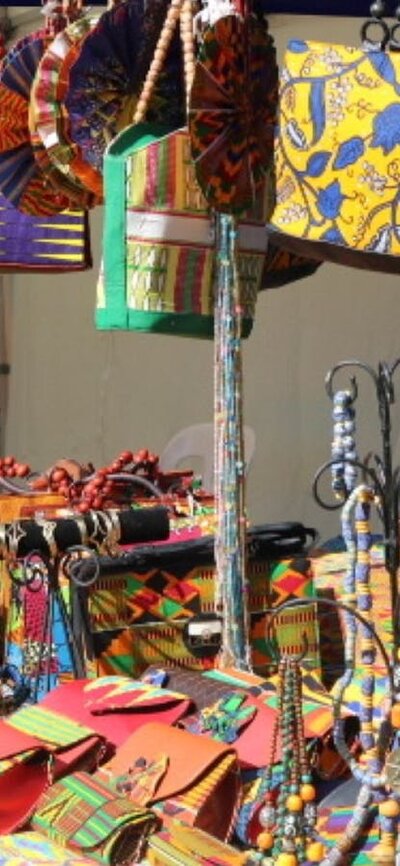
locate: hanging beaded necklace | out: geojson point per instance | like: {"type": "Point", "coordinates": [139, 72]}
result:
{"type": "Point", "coordinates": [343, 449]}
{"type": "Point", "coordinates": [289, 818]}
{"type": "Point", "coordinates": [370, 772]}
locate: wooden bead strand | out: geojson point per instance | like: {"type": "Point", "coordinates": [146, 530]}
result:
{"type": "Point", "coordinates": [157, 62]}
{"type": "Point", "coordinates": [188, 47]}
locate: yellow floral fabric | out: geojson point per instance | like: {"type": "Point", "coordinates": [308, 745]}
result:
{"type": "Point", "coordinates": [338, 148]}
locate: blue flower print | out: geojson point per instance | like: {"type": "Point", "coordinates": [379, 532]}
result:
{"type": "Point", "coordinates": [387, 128]}
{"type": "Point", "coordinates": [297, 46]}
{"type": "Point", "coordinates": [333, 236]}
{"type": "Point", "coordinates": [349, 152]}
{"type": "Point", "coordinates": [329, 200]}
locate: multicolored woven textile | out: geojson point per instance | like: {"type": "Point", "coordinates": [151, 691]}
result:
{"type": "Point", "coordinates": [53, 729]}
{"type": "Point", "coordinates": [25, 849]}
{"type": "Point", "coordinates": [233, 106]}
{"type": "Point", "coordinates": [43, 660]}
{"type": "Point", "coordinates": [59, 242]}
{"type": "Point", "coordinates": [106, 694]}
{"type": "Point", "coordinates": [22, 181]}
{"type": "Point", "coordinates": [108, 73]}
{"type": "Point", "coordinates": [159, 240]}
{"type": "Point", "coordinates": [83, 813]}
{"type": "Point", "coordinates": [190, 847]}
{"type": "Point", "coordinates": [138, 619]}
{"type": "Point", "coordinates": [48, 121]}
{"type": "Point", "coordinates": [331, 825]}
{"type": "Point", "coordinates": [337, 155]}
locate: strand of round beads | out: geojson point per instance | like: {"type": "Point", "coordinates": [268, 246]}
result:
{"type": "Point", "coordinates": [343, 449]}
{"type": "Point", "coordinates": [370, 774]}
{"type": "Point", "coordinates": [290, 825]}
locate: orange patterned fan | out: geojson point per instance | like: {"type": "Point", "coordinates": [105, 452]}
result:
{"type": "Point", "coordinates": [232, 112]}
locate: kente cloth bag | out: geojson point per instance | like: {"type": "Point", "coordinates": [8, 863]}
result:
{"type": "Point", "coordinates": [36, 745]}
{"type": "Point", "coordinates": [190, 846]}
{"type": "Point", "coordinates": [338, 153]}
{"type": "Point", "coordinates": [56, 243]}
{"type": "Point", "coordinates": [85, 815]}
{"type": "Point", "coordinates": [159, 256]}
{"type": "Point", "coordinates": [180, 775]}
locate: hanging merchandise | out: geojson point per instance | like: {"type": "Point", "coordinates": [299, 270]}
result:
{"type": "Point", "coordinates": [338, 150]}
{"type": "Point", "coordinates": [105, 79]}
{"type": "Point", "coordinates": [60, 242]}
{"type": "Point", "coordinates": [159, 239]}
{"type": "Point", "coordinates": [56, 243]}
{"type": "Point", "coordinates": [236, 58]}
{"type": "Point", "coordinates": [282, 267]}
{"type": "Point", "coordinates": [233, 110]}
{"type": "Point", "coordinates": [48, 122]}
{"type": "Point", "coordinates": [22, 181]}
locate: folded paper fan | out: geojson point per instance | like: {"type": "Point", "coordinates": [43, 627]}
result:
{"type": "Point", "coordinates": [48, 120]}
{"type": "Point", "coordinates": [233, 104]}
{"type": "Point", "coordinates": [107, 77]}
{"type": "Point", "coordinates": [22, 181]}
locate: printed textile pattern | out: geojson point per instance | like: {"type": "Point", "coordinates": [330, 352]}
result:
{"type": "Point", "coordinates": [338, 148]}
{"type": "Point", "coordinates": [137, 619]}
{"type": "Point", "coordinates": [25, 849]}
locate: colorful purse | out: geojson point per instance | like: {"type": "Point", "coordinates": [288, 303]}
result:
{"type": "Point", "coordinates": [190, 846]}
{"type": "Point", "coordinates": [36, 745]}
{"type": "Point", "coordinates": [179, 774]}
{"type": "Point", "coordinates": [338, 153]}
{"type": "Point", "coordinates": [159, 245]}
{"type": "Point", "coordinates": [88, 817]}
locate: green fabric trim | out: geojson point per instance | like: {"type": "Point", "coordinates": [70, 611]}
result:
{"type": "Point", "coordinates": [181, 324]}
{"type": "Point", "coordinates": [114, 232]}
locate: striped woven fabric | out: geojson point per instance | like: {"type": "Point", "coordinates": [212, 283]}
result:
{"type": "Point", "coordinates": [60, 242]}
{"type": "Point", "coordinates": [48, 726]}
{"type": "Point", "coordinates": [26, 849]}
{"type": "Point", "coordinates": [159, 245]}
{"type": "Point", "coordinates": [331, 826]}
{"type": "Point", "coordinates": [92, 818]}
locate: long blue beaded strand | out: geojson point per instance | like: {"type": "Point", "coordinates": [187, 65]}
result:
{"type": "Point", "coordinates": [343, 449]}
{"type": "Point", "coordinates": [358, 593]}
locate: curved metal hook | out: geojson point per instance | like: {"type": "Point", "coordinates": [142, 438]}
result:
{"type": "Point", "coordinates": [84, 569]}
{"type": "Point", "coordinates": [350, 363]}
{"type": "Point", "coordinates": [357, 463]}
{"type": "Point", "coordinates": [340, 605]}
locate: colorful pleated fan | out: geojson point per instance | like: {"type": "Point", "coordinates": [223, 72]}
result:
{"type": "Point", "coordinates": [48, 120]}
{"type": "Point", "coordinates": [108, 73]}
{"type": "Point", "coordinates": [232, 114]}
{"type": "Point", "coordinates": [22, 181]}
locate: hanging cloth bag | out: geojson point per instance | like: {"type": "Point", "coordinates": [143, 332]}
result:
{"type": "Point", "coordinates": [338, 152]}
{"type": "Point", "coordinates": [51, 243]}
{"type": "Point", "coordinates": [158, 269]}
